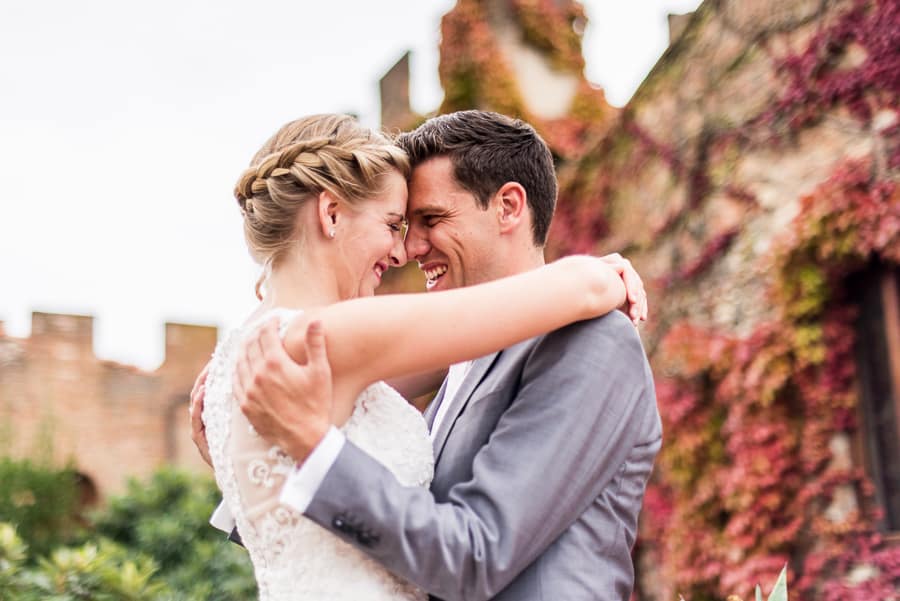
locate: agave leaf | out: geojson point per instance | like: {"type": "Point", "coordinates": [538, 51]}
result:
{"type": "Point", "coordinates": [779, 592]}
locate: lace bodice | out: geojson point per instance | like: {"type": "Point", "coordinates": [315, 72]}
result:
{"type": "Point", "coordinates": [293, 557]}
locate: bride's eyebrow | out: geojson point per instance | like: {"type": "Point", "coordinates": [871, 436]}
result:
{"type": "Point", "coordinates": [397, 215]}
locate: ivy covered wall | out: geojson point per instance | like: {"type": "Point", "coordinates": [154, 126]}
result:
{"type": "Point", "coordinates": [751, 176]}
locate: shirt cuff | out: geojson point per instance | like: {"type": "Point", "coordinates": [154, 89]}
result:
{"type": "Point", "coordinates": [222, 519]}
{"type": "Point", "coordinates": [304, 481]}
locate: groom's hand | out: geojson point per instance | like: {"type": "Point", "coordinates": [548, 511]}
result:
{"type": "Point", "coordinates": [635, 296]}
{"type": "Point", "coordinates": [287, 403]}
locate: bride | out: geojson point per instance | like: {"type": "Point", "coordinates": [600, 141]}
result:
{"type": "Point", "coordinates": [324, 205]}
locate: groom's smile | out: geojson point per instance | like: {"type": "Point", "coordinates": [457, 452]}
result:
{"type": "Point", "coordinates": [450, 236]}
{"type": "Point", "coordinates": [433, 272]}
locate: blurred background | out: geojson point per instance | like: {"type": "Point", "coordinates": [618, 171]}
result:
{"type": "Point", "coordinates": [744, 155]}
{"type": "Point", "coordinates": [124, 127]}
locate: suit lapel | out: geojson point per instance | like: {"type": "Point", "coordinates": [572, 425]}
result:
{"type": "Point", "coordinates": [476, 373]}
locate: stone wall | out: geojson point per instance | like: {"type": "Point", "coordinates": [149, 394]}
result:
{"type": "Point", "coordinates": [59, 402]}
{"type": "Point", "coordinates": [695, 182]}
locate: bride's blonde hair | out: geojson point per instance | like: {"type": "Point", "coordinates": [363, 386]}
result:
{"type": "Point", "coordinates": [332, 153]}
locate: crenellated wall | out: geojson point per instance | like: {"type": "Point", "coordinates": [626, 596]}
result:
{"type": "Point", "coordinates": [59, 402]}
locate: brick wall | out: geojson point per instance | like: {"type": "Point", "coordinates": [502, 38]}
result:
{"type": "Point", "coordinates": [59, 402]}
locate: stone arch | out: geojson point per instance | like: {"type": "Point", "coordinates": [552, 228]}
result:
{"type": "Point", "coordinates": [87, 493]}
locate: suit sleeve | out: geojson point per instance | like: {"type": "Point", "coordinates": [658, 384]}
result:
{"type": "Point", "coordinates": [582, 405]}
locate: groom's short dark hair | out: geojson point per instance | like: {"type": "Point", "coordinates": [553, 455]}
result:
{"type": "Point", "coordinates": [488, 150]}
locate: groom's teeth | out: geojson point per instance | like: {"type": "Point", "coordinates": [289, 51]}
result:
{"type": "Point", "coordinates": [435, 273]}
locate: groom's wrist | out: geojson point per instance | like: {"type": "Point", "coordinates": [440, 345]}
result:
{"type": "Point", "coordinates": [304, 481]}
{"type": "Point", "coordinates": [304, 439]}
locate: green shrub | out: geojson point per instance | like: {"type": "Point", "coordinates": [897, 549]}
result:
{"type": "Point", "coordinates": [13, 553]}
{"type": "Point", "coordinates": [97, 572]}
{"type": "Point", "coordinates": [41, 501]}
{"type": "Point", "coordinates": [152, 543]}
{"type": "Point", "coordinates": [104, 572]}
{"type": "Point", "coordinates": [167, 519]}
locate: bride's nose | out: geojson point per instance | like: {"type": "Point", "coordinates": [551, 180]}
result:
{"type": "Point", "coordinates": [398, 254]}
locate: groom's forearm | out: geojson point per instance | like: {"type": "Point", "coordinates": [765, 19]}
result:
{"type": "Point", "coordinates": [445, 549]}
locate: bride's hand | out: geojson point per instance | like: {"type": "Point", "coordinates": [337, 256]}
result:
{"type": "Point", "coordinates": [287, 403]}
{"type": "Point", "coordinates": [198, 429]}
{"type": "Point", "coordinates": [635, 296]}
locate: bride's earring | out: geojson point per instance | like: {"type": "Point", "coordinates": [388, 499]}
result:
{"type": "Point", "coordinates": [331, 234]}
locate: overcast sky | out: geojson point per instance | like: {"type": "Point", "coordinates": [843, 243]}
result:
{"type": "Point", "coordinates": [123, 126]}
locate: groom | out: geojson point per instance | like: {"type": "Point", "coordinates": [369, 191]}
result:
{"type": "Point", "coordinates": [542, 450]}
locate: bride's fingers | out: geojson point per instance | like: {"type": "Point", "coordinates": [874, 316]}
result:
{"type": "Point", "coordinates": [201, 379]}
{"type": "Point", "coordinates": [196, 412]}
{"type": "Point", "coordinates": [637, 295]}
{"type": "Point", "coordinates": [633, 283]}
{"type": "Point", "coordinates": [639, 308]}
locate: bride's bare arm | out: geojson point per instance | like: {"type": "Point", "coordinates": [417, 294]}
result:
{"type": "Point", "coordinates": [377, 338]}
{"type": "Point", "coordinates": [412, 386]}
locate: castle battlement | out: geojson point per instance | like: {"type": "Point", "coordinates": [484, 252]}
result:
{"type": "Point", "coordinates": [113, 421]}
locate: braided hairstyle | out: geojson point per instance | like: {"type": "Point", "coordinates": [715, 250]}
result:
{"type": "Point", "coordinates": [304, 158]}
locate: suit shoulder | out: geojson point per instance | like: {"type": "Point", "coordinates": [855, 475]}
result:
{"type": "Point", "coordinates": [614, 327]}
{"type": "Point", "coordinates": [610, 339]}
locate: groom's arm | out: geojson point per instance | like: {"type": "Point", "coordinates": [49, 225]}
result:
{"type": "Point", "coordinates": [584, 406]}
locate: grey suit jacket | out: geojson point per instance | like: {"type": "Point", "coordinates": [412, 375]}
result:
{"type": "Point", "coordinates": [539, 477]}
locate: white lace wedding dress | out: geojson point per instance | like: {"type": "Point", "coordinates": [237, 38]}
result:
{"type": "Point", "coordinates": [293, 557]}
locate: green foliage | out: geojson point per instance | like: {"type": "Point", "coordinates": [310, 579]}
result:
{"type": "Point", "coordinates": [98, 573]}
{"type": "Point", "coordinates": [45, 524]}
{"type": "Point", "coordinates": [153, 543]}
{"type": "Point", "coordinates": [167, 518]}
{"type": "Point", "coordinates": [13, 553]}
{"type": "Point", "coordinates": [216, 570]}
{"type": "Point", "coordinates": [101, 572]}
{"type": "Point", "coordinates": [163, 516]}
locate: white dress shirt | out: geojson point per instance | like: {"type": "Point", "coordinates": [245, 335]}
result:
{"type": "Point", "coordinates": [455, 377]}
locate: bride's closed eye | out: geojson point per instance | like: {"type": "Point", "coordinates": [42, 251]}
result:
{"type": "Point", "coordinates": [400, 227]}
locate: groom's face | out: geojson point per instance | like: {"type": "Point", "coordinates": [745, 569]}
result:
{"type": "Point", "coordinates": [450, 236]}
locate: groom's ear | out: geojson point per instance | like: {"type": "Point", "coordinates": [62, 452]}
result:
{"type": "Point", "coordinates": [328, 211]}
{"type": "Point", "coordinates": [511, 203]}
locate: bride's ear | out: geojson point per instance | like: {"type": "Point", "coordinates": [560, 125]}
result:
{"type": "Point", "coordinates": [328, 211]}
